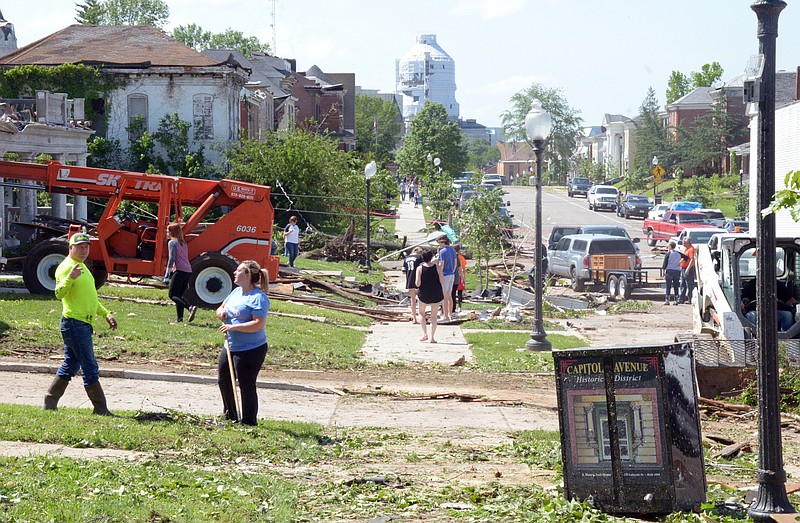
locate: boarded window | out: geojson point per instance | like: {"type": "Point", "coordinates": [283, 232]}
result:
{"type": "Point", "coordinates": [203, 105]}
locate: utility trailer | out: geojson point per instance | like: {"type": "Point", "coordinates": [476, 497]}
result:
{"type": "Point", "coordinates": [129, 245]}
{"type": "Point", "coordinates": [616, 274]}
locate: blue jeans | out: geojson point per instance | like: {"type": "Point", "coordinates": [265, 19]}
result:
{"type": "Point", "coordinates": [687, 285]}
{"type": "Point", "coordinates": [78, 352]}
{"type": "Point", "coordinates": [292, 249]}
{"type": "Point", "coordinates": [672, 278]}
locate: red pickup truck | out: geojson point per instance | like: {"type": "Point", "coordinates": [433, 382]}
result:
{"type": "Point", "coordinates": [672, 223]}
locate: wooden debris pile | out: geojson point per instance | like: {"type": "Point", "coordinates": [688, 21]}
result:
{"type": "Point", "coordinates": [358, 301]}
{"type": "Point", "coordinates": [347, 247]}
{"type": "Point", "coordinates": [720, 409]}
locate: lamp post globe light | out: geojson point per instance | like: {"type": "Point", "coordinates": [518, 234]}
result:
{"type": "Point", "coordinates": [655, 164]}
{"type": "Point", "coordinates": [771, 497]}
{"type": "Point", "coordinates": [537, 129]}
{"type": "Point", "coordinates": [369, 172]}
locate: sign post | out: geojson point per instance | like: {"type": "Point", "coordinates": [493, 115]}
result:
{"type": "Point", "coordinates": [658, 176]}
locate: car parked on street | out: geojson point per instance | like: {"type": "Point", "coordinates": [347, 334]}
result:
{"type": "Point", "coordinates": [633, 205]}
{"type": "Point", "coordinates": [602, 197]}
{"type": "Point", "coordinates": [558, 232]}
{"type": "Point", "coordinates": [578, 186]}
{"type": "Point", "coordinates": [657, 211]}
{"type": "Point", "coordinates": [572, 257]}
{"type": "Point", "coordinates": [611, 230]}
{"type": "Point", "coordinates": [714, 216]}
{"type": "Point", "coordinates": [697, 236]}
{"type": "Point", "coordinates": [493, 179]}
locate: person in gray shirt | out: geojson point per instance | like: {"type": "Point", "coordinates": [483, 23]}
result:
{"type": "Point", "coordinates": [672, 273]}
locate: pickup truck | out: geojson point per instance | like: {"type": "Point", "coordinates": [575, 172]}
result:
{"type": "Point", "coordinates": [671, 224]}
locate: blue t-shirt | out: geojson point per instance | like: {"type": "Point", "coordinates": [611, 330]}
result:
{"type": "Point", "coordinates": [448, 256]}
{"type": "Point", "coordinates": [241, 308]}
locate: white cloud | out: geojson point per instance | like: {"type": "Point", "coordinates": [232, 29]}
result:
{"type": "Point", "coordinates": [487, 10]}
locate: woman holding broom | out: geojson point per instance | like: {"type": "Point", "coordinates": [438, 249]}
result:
{"type": "Point", "coordinates": [244, 314]}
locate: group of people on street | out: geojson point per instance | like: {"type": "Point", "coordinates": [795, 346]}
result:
{"type": "Point", "coordinates": [243, 315]}
{"type": "Point", "coordinates": [435, 281]}
{"type": "Point", "coordinates": [410, 189]}
{"type": "Point", "coordinates": [679, 272]}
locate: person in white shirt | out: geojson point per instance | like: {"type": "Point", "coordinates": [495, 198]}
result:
{"type": "Point", "coordinates": [291, 237]}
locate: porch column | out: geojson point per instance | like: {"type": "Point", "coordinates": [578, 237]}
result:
{"type": "Point", "coordinates": [59, 209]}
{"type": "Point", "coordinates": [79, 211]}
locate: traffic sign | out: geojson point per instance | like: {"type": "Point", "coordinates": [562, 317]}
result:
{"type": "Point", "coordinates": [658, 173]}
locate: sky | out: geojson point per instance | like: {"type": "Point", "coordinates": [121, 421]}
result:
{"type": "Point", "coordinates": [601, 56]}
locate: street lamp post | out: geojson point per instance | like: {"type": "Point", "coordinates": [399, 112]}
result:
{"type": "Point", "coordinates": [369, 172]}
{"type": "Point", "coordinates": [655, 164]}
{"type": "Point", "coordinates": [537, 128]}
{"type": "Point", "coordinates": [771, 497]}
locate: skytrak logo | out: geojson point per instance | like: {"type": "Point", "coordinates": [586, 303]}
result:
{"type": "Point", "coordinates": [108, 180]}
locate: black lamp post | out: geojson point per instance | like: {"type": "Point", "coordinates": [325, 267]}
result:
{"type": "Point", "coordinates": [537, 128]}
{"type": "Point", "coordinates": [369, 172]}
{"type": "Point", "coordinates": [771, 497]}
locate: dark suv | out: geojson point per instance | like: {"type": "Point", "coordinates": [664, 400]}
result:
{"type": "Point", "coordinates": [634, 205]}
{"type": "Point", "coordinates": [560, 231]}
{"type": "Point", "coordinates": [578, 186]}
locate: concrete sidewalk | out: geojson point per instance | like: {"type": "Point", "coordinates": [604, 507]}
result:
{"type": "Point", "coordinates": [157, 392]}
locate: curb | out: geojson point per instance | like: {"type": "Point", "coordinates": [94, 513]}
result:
{"type": "Point", "coordinates": [38, 368]}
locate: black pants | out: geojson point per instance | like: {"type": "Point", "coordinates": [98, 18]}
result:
{"type": "Point", "coordinates": [178, 284]}
{"type": "Point", "coordinates": [246, 364]}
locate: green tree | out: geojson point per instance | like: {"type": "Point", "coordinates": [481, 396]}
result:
{"type": "Point", "coordinates": [482, 229]}
{"type": "Point", "coordinates": [91, 12]}
{"type": "Point", "coordinates": [378, 126]}
{"type": "Point", "coordinates": [564, 133]}
{"type": "Point", "coordinates": [198, 39]}
{"type": "Point", "coordinates": [135, 12]}
{"type": "Point", "coordinates": [232, 39]}
{"type": "Point", "coordinates": [678, 86]}
{"type": "Point", "coordinates": [707, 75]}
{"type": "Point", "coordinates": [704, 146]}
{"type": "Point", "coordinates": [652, 138]}
{"type": "Point", "coordinates": [432, 133]}
{"type": "Point", "coordinates": [192, 36]}
{"type": "Point", "coordinates": [308, 174]}
{"type": "Point", "coordinates": [173, 138]}
{"type": "Point", "coordinates": [481, 153]}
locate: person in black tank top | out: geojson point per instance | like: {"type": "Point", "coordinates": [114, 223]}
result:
{"type": "Point", "coordinates": [410, 265]}
{"type": "Point", "coordinates": [429, 291]}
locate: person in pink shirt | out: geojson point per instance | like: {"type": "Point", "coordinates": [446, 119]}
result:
{"type": "Point", "coordinates": [179, 270]}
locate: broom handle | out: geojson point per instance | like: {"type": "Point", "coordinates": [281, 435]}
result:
{"type": "Point", "coordinates": [233, 379]}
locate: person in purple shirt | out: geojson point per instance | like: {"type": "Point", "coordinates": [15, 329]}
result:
{"type": "Point", "coordinates": [448, 262]}
{"type": "Point", "coordinates": [179, 270]}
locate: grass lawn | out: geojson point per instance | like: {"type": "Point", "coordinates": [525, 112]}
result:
{"type": "Point", "coordinates": [506, 351]}
{"type": "Point", "coordinates": [193, 468]}
{"type": "Point", "coordinates": [31, 324]}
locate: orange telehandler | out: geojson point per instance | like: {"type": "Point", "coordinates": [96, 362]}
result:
{"type": "Point", "coordinates": [126, 245]}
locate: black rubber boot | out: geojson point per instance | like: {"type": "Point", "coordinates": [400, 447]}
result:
{"type": "Point", "coordinates": [98, 398]}
{"type": "Point", "coordinates": [54, 393]}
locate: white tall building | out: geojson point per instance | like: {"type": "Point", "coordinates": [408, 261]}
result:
{"type": "Point", "coordinates": [426, 72]}
{"type": "Point", "coordinates": [8, 38]}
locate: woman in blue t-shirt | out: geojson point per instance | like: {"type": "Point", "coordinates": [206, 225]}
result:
{"type": "Point", "coordinates": [244, 314]}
